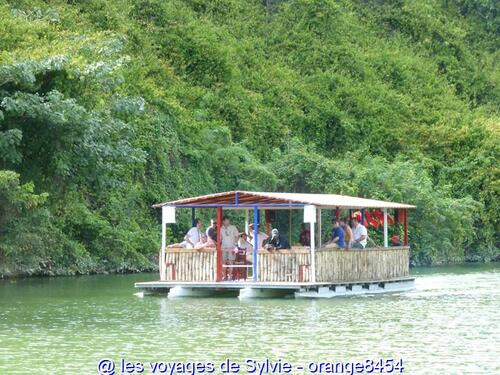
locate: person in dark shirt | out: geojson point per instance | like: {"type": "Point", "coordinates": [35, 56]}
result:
{"type": "Point", "coordinates": [337, 235]}
{"type": "Point", "coordinates": [305, 236]}
{"type": "Point", "coordinates": [211, 231]}
{"type": "Point", "coordinates": [276, 242]}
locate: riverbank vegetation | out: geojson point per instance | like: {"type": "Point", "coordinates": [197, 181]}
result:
{"type": "Point", "coordinates": [109, 106]}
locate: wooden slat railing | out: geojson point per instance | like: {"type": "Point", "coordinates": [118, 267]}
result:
{"type": "Point", "coordinates": [190, 264]}
{"type": "Point", "coordinates": [284, 266]}
{"type": "Point", "coordinates": [372, 264]}
{"type": "Point", "coordinates": [332, 265]}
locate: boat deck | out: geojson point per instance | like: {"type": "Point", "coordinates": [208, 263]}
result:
{"type": "Point", "coordinates": [251, 289]}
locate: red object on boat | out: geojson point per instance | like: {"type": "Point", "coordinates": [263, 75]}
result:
{"type": "Point", "coordinates": [380, 216]}
{"type": "Point", "coordinates": [372, 220]}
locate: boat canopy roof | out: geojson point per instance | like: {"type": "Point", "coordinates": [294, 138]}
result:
{"type": "Point", "coordinates": [243, 199]}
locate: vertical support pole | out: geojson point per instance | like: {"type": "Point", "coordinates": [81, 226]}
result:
{"type": "Point", "coordinates": [219, 245]}
{"type": "Point", "coordinates": [363, 216]}
{"type": "Point", "coordinates": [290, 227]}
{"type": "Point", "coordinates": [193, 216]}
{"type": "Point", "coordinates": [313, 253]}
{"type": "Point", "coordinates": [319, 229]}
{"type": "Point", "coordinates": [386, 239]}
{"type": "Point", "coordinates": [350, 215]}
{"type": "Point", "coordinates": [246, 221]}
{"type": "Point", "coordinates": [255, 243]}
{"type": "Point", "coordinates": [337, 214]}
{"type": "Point", "coordinates": [405, 216]}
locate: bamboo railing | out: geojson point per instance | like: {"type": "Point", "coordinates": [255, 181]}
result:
{"type": "Point", "coordinates": [335, 265]}
{"type": "Point", "coordinates": [285, 265]}
{"type": "Point", "coordinates": [190, 264]}
{"type": "Point", "coordinates": [332, 265]}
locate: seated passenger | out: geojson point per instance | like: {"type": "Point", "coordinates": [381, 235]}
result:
{"type": "Point", "coordinates": [347, 233]}
{"type": "Point", "coordinates": [395, 241]}
{"type": "Point", "coordinates": [337, 236]}
{"type": "Point", "coordinates": [262, 236]}
{"type": "Point", "coordinates": [275, 242]}
{"type": "Point", "coordinates": [305, 236]}
{"type": "Point", "coordinates": [205, 241]}
{"type": "Point", "coordinates": [360, 234]}
{"type": "Point", "coordinates": [178, 245]}
{"type": "Point", "coordinates": [193, 236]}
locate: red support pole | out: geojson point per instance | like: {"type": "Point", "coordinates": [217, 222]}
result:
{"type": "Point", "coordinates": [337, 214]}
{"type": "Point", "coordinates": [405, 217]}
{"type": "Point", "coordinates": [219, 244]}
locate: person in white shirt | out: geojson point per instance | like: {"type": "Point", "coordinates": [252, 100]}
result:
{"type": "Point", "coordinates": [229, 237]}
{"type": "Point", "coordinates": [262, 237]}
{"type": "Point", "coordinates": [359, 234]}
{"type": "Point", "coordinates": [244, 255]}
{"type": "Point", "coordinates": [193, 236]}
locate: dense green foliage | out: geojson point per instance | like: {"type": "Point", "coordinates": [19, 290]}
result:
{"type": "Point", "coordinates": [109, 106]}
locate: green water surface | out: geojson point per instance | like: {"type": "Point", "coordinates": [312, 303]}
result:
{"type": "Point", "coordinates": [449, 325]}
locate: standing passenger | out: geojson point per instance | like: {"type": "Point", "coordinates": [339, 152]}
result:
{"type": "Point", "coordinates": [229, 238]}
{"type": "Point", "coordinates": [360, 234]}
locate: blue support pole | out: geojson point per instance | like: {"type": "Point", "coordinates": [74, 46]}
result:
{"type": "Point", "coordinates": [363, 216]}
{"type": "Point", "coordinates": [193, 213]}
{"type": "Point", "coordinates": [255, 241]}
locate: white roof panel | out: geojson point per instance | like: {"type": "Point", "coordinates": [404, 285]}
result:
{"type": "Point", "coordinates": [320, 200]}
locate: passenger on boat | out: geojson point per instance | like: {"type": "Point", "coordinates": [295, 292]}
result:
{"type": "Point", "coordinates": [205, 242]}
{"type": "Point", "coordinates": [276, 242]}
{"type": "Point", "coordinates": [193, 236]}
{"type": "Point", "coordinates": [395, 240]}
{"type": "Point", "coordinates": [179, 245]}
{"type": "Point", "coordinates": [347, 233]}
{"type": "Point", "coordinates": [305, 236]}
{"type": "Point", "coordinates": [262, 237]}
{"type": "Point", "coordinates": [243, 247]}
{"type": "Point", "coordinates": [337, 235]}
{"type": "Point", "coordinates": [243, 256]}
{"type": "Point", "coordinates": [211, 231]}
{"type": "Point", "coordinates": [360, 234]}
{"type": "Point", "coordinates": [229, 238]}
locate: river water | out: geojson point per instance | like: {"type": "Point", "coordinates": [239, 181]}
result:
{"type": "Point", "coordinates": [449, 325]}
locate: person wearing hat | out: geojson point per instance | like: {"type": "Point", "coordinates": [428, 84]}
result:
{"type": "Point", "coordinates": [275, 242]}
{"type": "Point", "coordinates": [244, 247]}
{"type": "Point", "coordinates": [262, 237]}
